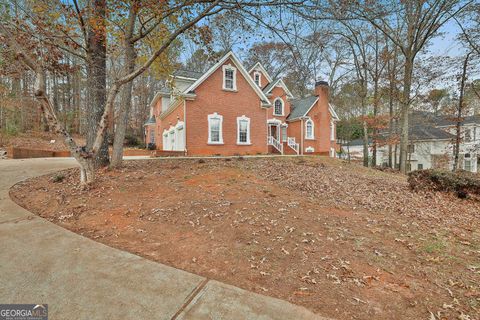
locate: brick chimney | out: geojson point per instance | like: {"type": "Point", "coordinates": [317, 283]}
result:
{"type": "Point", "coordinates": [321, 89]}
{"type": "Point", "coordinates": [322, 118]}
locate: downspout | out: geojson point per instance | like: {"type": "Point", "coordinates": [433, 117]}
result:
{"type": "Point", "coordinates": [302, 137]}
{"type": "Point", "coordinates": [185, 126]}
{"type": "Point", "coordinates": [266, 122]}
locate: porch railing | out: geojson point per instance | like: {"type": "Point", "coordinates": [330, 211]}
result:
{"type": "Point", "coordinates": [294, 145]}
{"type": "Point", "coordinates": [275, 143]}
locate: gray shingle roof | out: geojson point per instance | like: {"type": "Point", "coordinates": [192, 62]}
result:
{"type": "Point", "coordinates": [429, 118]}
{"type": "Point", "coordinates": [450, 121]}
{"type": "Point", "coordinates": [150, 121]}
{"type": "Point", "coordinates": [269, 86]}
{"type": "Point", "coordinates": [188, 74]}
{"type": "Point", "coordinates": [359, 142]}
{"type": "Point", "coordinates": [428, 133]}
{"type": "Point", "coordinates": [300, 107]}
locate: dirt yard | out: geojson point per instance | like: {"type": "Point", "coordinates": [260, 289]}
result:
{"type": "Point", "coordinates": [339, 239]}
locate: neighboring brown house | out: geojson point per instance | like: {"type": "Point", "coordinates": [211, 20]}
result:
{"type": "Point", "coordinates": [231, 111]}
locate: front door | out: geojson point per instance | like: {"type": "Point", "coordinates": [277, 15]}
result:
{"type": "Point", "coordinates": [274, 131]}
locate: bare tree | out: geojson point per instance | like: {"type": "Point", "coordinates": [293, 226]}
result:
{"type": "Point", "coordinates": [410, 25]}
{"type": "Point", "coordinates": [84, 155]}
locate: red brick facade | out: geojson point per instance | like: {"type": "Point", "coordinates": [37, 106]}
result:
{"type": "Point", "coordinates": [185, 123]}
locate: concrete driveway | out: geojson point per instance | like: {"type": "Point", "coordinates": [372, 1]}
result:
{"type": "Point", "coordinates": [42, 263]}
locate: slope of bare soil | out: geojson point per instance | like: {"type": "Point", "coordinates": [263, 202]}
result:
{"type": "Point", "coordinates": [341, 240]}
{"type": "Point", "coordinates": [36, 140]}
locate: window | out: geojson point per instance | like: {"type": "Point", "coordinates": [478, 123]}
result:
{"type": "Point", "coordinates": [243, 130]}
{"type": "Point", "coordinates": [411, 148]}
{"type": "Point", "coordinates": [215, 129]}
{"type": "Point", "coordinates": [152, 135]}
{"type": "Point", "coordinates": [229, 78]}
{"type": "Point", "coordinates": [284, 134]}
{"type": "Point", "coordinates": [257, 77]}
{"type": "Point", "coordinates": [467, 165]}
{"type": "Point", "coordinates": [468, 135]}
{"type": "Point", "coordinates": [278, 107]}
{"type": "Point", "coordinates": [420, 166]}
{"type": "Point", "coordinates": [309, 133]}
{"type": "Point", "coordinates": [409, 167]}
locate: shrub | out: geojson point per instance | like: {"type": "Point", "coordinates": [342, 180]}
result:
{"type": "Point", "coordinates": [59, 177]}
{"type": "Point", "coordinates": [132, 141]}
{"type": "Point", "coordinates": [462, 183]}
{"type": "Point", "coordinates": [151, 146]}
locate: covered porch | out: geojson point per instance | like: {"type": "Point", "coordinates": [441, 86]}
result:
{"type": "Point", "coordinates": [277, 137]}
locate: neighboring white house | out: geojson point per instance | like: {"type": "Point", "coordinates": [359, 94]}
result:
{"type": "Point", "coordinates": [432, 144]}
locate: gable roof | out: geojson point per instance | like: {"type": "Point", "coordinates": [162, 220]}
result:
{"type": "Point", "coordinates": [419, 132]}
{"type": "Point", "coordinates": [334, 114]}
{"type": "Point", "coordinates": [187, 74]}
{"type": "Point", "coordinates": [450, 121]}
{"type": "Point", "coordinates": [240, 67]}
{"type": "Point", "coordinates": [259, 66]}
{"type": "Point", "coordinates": [300, 107]}
{"type": "Point", "coordinates": [277, 83]}
{"type": "Point", "coordinates": [429, 118]}
{"type": "Point", "coordinates": [423, 128]}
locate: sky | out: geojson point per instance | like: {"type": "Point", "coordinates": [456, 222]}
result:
{"type": "Point", "coordinates": [447, 44]}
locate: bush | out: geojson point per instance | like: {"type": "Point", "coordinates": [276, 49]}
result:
{"type": "Point", "coordinates": [151, 146]}
{"type": "Point", "coordinates": [132, 141]}
{"type": "Point", "coordinates": [58, 178]}
{"type": "Point", "coordinates": [462, 183]}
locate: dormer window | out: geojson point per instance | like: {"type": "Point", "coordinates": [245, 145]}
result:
{"type": "Point", "coordinates": [229, 78]}
{"type": "Point", "coordinates": [257, 77]}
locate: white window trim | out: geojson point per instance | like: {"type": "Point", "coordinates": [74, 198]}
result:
{"type": "Point", "coordinates": [243, 118]}
{"type": "Point", "coordinates": [220, 135]}
{"type": "Point", "coordinates": [229, 67]}
{"type": "Point", "coordinates": [259, 74]}
{"type": "Point", "coordinates": [313, 129]}
{"type": "Point", "coordinates": [332, 130]}
{"type": "Point", "coordinates": [283, 107]}
{"type": "Point", "coordinates": [165, 139]}
{"type": "Point", "coordinates": [172, 133]}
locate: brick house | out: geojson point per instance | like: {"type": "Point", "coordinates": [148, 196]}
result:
{"type": "Point", "coordinates": [231, 111]}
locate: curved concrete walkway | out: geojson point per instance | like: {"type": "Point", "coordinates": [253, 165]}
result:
{"type": "Point", "coordinates": [79, 278]}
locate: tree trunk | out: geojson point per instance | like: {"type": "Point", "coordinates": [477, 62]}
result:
{"type": "Point", "coordinates": [405, 105]}
{"type": "Point", "coordinates": [391, 163]}
{"type": "Point", "coordinates": [97, 81]}
{"type": "Point", "coordinates": [124, 111]}
{"type": "Point", "coordinates": [459, 115]}
{"type": "Point", "coordinates": [375, 112]}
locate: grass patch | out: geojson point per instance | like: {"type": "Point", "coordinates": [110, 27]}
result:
{"type": "Point", "coordinates": [58, 178]}
{"type": "Point", "coordinates": [437, 246]}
